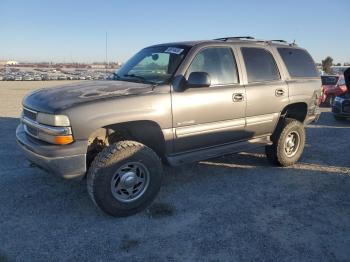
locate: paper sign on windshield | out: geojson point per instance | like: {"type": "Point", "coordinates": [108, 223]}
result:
{"type": "Point", "coordinates": [174, 50]}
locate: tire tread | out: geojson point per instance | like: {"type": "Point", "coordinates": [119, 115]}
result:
{"type": "Point", "coordinates": [106, 154]}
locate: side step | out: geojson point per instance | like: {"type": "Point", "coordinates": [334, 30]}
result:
{"type": "Point", "coordinates": [203, 154]}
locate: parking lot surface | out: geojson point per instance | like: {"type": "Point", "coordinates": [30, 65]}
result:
{"type": "Point", "coordinates": [233, 208]}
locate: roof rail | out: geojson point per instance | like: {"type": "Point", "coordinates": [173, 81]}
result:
{"type": "Point", "coordinates": [278, 40]}
{"type": "Point", "coordinates": [234, 38]}
{"type": "Point", "coordinates": [225, 39]}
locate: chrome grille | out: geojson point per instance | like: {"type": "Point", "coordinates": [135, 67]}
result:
{"type": "Point", "coordinates": [30, 114]}
{"type": "Point", "coordinates": [31, 130]}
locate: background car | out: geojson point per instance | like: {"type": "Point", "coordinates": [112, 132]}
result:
{"type": "Point", "coordinates": [332, 86]}
{"type": "Point", "coordinates": [341, 105]}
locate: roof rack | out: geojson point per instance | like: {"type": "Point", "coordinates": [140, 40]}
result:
{"type": "Point", "coordinates": [225, 39]}
{"type": "Point", "coordinates": [278, 40]}
{"type": "Point", "coordinates": [234, 38]}
{"type": "Point", "coordinates": [282, 41]}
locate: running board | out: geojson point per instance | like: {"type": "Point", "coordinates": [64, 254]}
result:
{"type": "Point", "coordinates": [203, 154]}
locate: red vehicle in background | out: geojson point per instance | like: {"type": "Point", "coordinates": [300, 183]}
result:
{"type": "Point", "coordinates": [332, 86]}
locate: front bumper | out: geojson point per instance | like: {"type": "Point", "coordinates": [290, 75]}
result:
{"type": "Point", "coordinates": [68, 161]}
{"type": "Point", "coordinates": [339, 107]}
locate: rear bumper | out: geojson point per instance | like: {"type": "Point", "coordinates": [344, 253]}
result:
{"type": "Point", "coordinates": [67, 161]}
{"type": "Point", "coordinates": [313, 115]}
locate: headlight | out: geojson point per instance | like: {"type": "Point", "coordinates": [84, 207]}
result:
{"type": "Point", "coordinates": [52, 120]}
{"type": "Point", "coordinates": [53, 129]}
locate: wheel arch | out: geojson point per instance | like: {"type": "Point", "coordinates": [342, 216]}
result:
{"type": "Point", "coordinates": [146, 132]}
{"type": "Point", "coordinates": [296, 111]}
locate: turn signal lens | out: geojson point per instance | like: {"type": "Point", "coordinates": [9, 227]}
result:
{"type": "Point", "coordinates": [63, 140]}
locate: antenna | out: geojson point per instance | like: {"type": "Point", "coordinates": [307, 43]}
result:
{"type": "Point", "coordinates": [107, 63]}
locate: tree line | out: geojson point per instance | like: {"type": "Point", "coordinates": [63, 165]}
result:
{"type": "Point", "coordinates": [327, 63]}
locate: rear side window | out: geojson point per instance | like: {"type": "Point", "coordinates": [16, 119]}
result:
{"type": "Point", "coordinates": [218, 62]}
{"type": "Point", "coordinates": [298, 62]}
{"type": "Point", "coordinates": [260, 65]}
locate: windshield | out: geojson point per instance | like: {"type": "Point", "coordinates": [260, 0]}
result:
{"type": "Point", "coordinates": [154, 65]}
{"type": "Point", "coordinates": [329, 80]}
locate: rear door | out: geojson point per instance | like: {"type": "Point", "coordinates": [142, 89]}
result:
{"type": "Point", "coordinates": [267, 93]}
{"type": "Point", "coordinates": [304, 81]}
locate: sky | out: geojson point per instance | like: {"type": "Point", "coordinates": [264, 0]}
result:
{"type": "Point", "coordinates": [74, 31]}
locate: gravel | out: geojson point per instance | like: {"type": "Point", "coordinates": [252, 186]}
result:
{"type": "Point", "coordinates": [232, 208]}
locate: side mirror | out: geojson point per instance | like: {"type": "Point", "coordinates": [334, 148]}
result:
{"type": "Point", "coordinates": [198, 79]}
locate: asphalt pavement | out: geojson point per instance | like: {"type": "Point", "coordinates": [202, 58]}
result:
{"type": "Point", "coordinates": [232, 208]}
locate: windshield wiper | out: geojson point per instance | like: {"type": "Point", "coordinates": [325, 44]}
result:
{"type": "Point", "coordinates": [136, 76]}
{"type": "Point", "coordinates": [116, 76]}
{"type": "Point", "coordinates": [143, 80]}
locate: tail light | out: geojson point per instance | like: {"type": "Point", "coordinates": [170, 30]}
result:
{"type": "Point", "coordinates": [343, 88]}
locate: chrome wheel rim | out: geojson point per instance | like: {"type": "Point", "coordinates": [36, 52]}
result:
{"type": "Point", "coordinates": [292, 143]}
{"type": "Point", "coordinates": [130, 182]}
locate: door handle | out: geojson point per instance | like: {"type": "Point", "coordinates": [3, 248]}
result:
{"type": "Point", "coordinates": [279, 92]}
{"type": "Point", "coordinates": [238, 97]}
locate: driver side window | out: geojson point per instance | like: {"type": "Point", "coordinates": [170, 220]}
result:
{"type": "Point", "coordinates": [218, 62]}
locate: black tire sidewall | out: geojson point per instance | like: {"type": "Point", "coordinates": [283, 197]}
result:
{"type": "Point", "coordinates": [103, 196]}
{"type": "Point", "coordinates": [290, 125]}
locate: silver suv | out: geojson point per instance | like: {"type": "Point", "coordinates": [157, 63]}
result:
{"type": "Point", "coordinates": [172, 103]}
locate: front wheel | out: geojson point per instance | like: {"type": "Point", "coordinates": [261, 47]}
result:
{"type": "Point", "coordinates": [124, 178]}
{"type": "Point", "coordinates": [288, 143]}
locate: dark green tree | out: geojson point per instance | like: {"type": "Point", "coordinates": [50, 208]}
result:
{"type": "Point", "coordinates": [326, 64]}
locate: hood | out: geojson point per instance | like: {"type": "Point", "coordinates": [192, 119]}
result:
{"type": "Point", "coordinates": [50, 100]}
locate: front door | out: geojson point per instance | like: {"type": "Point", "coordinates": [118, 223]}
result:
{"type": "Point", "coordinates": [209, 116]}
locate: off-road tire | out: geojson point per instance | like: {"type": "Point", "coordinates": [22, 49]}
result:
{"type": "Point", "coordinates": [275, 153]}
{"type": "Point", "coordinates": [104, 166]}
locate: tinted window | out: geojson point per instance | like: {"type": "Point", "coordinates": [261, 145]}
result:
{"type": "Point", "coordinates": [298, 62]}
{"type": "Point", "coordinates": [219, 63]}
{"type": "Point", "coordinates": [260, 65]}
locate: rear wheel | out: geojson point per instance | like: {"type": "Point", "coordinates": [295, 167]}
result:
{"type": "Point", "coordinates": [124, 178]}
{"type": "Point", "coordinates": [288, 143]}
